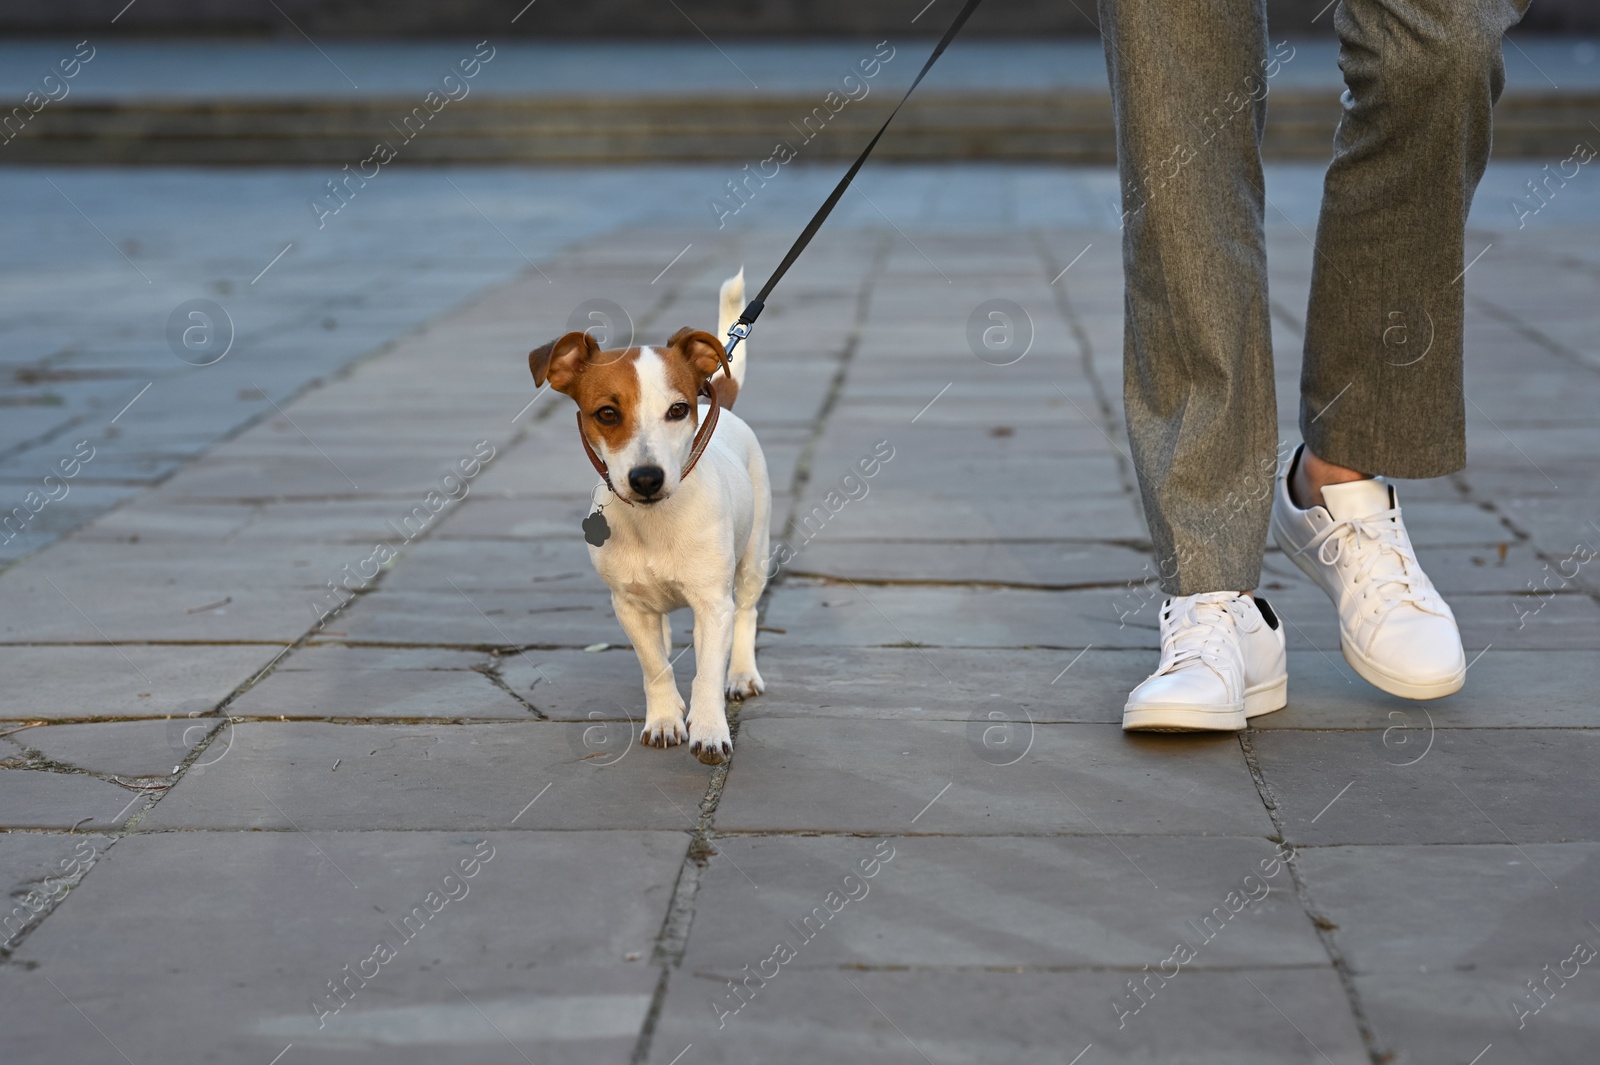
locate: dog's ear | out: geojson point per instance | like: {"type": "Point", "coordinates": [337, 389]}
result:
{"type": "Point", "coordinates": [699, 349]}
{"type": "Point", "coordinates": [561, 360]}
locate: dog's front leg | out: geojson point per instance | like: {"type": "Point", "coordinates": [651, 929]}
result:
{"type": "Point", "coordinates": [709, 739]}
{"type": "Point", "coordinates": [663, 713]}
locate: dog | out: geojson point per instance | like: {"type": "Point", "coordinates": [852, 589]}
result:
{"type": "Point", "coordinates": [687, 528]}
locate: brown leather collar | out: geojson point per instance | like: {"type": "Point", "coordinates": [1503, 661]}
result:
{"type": "Point", "coordinates": [702, 438]}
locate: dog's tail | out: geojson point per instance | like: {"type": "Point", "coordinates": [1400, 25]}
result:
{"type": "Point", "coordinates": [729, 304]}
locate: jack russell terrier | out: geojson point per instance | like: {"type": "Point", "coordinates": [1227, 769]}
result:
{"type": "Point", "coordinates": [696, 508]}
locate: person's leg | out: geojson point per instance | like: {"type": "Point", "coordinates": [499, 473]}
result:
{"type": "Point", "coordinates": [1189, 82]}
{"type": "Point", "coordinates": [1381, 381]}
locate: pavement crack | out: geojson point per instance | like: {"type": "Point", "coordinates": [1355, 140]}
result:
{"type": "Point", "coordinates": [673, 938]}
{"type": "Point", "coordinates": [841, 373]}
{"type": "Point", "coordinates": [491, 670]}
{"type": "Point", "coordinates": [1321, 925]}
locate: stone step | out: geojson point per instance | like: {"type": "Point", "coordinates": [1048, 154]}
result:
{"type": "Point", "coordinates": [1015, 126]}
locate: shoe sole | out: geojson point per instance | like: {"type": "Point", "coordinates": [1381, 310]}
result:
{"type": "Point", "coordinates": [1262, 699]}
{"type": "Point", "coordinates": [1406, 689]}
{"type": "Point", "coordinates": [1368, 671]}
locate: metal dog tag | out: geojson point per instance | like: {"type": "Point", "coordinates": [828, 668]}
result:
{"type": "Point", "coordinates": [596, 530]}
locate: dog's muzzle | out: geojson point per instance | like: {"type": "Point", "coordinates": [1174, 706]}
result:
{"type": "Point", "coordinates": [646, 481]}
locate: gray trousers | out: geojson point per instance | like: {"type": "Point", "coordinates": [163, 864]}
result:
{"type": "Point", "coordinates": [1381, 378]}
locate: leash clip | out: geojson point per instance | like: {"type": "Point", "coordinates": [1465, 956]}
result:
{"type": "Point", "coordinates": [740, 330]}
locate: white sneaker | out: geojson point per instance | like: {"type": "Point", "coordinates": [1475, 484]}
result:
{"type": "Point", "coordinates": [1222, 661]}
{"type": "Point", "coordinates": [1395, 629]}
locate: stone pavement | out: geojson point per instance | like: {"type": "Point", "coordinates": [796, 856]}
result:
{"type": "Point", "coordinates": [421, 829]}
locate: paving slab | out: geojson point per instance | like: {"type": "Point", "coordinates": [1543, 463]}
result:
{"type": "Point", "coordinates": [1468, 908]}
{"type": "Point", "coordinates": [1032, 1018]}
{"type": "Point", "coordinates": [1053, 565]}
{"type": "Point", "coordinates": [311, 775]}
{"type": "Point", "coordinates": [1560, 526]}
{"type": "Point", "coordinates": [944, 777]}
{"type": "Point", "coordinates": [391, 692]}
{"type": "Point", "coordinates": [995, 461]}
{"type": "Point", "coordinates": [1470, 786]}
{"type": "Point", "coordinates": [497, 565]}
{"type": "Point", "coordinates": [84, 592]}
{"type": "Point", "coordinates": [1001, 686]}
{"type": "Point", "coordinates": [999, 902]}
{"type": "Point", "coordinates": [319, 656]}
{"type": "Point", "coordinates": [37, 869]}
{"type": "Point", "coordinates": [547, 616]}
{"type": "Point", "coordinates": [1044, 388]}
{"type": "Point", "coordinates": [126, 749]}
{"type": "Point", "coordinates": [45, 798]}
{"type": "Point", "coordinates": [944, 511]}
{"type": "Point", "coordinates": [1444, 942]}
{"type": "Point", "coordinates": [68, 681]}
{"type": "Point", "coordinates": [828, 614]}
{"type": "Point", "coordinates": [1455, 1016]}
{"type": "Point", "coordinates": [1325, 693]}
{"type": "Point", "coordinates": [309, 475]}
{"type": "Point", "coordinates": [487, 516]}
{"type": "Point", "coordinates": [283, 900]}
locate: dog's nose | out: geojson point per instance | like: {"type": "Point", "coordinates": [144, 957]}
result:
{"type": "Point", "coordinates": [646, 480]}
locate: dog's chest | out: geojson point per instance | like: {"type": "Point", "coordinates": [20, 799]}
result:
{"type": "Point", "coordinates": [656, 584]}
{"type": "Point", "coordinates": [662, 567]}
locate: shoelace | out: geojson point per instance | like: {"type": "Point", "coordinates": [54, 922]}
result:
{"type": "Point", "coordinates": [1383, 535]}
{"type": "Point", "coordinates": [1196, 627]}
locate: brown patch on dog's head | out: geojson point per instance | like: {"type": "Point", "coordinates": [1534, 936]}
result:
{"type": "Point", "coordinates": [605, 384]}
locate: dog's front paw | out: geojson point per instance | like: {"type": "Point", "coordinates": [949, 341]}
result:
{"type": "Point", "coordinates": [745, 685]}
{"type": "Point", "coordinates": [663, 732]}
{"type": "Point", "coordinates": [712, 743]}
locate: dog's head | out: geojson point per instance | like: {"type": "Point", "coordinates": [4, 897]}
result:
{"type": "Point", "coordinates": [637, 406]}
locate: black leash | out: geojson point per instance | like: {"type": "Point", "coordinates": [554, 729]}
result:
{"type": "Point", "coordinates": [741, 328]}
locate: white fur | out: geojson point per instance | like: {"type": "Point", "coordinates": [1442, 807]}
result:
{"type": "Point", "coordinates": [703, 546]}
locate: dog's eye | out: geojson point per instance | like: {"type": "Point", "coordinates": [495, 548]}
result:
{"type": "Point", "coordinates": [608, 416]}
{"type": "Point", "coordinates": [677, 412]}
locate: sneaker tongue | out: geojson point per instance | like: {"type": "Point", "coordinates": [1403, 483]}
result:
{"type": "Point", "coordinates": [1359, 499]}
{"type": "Point", "coordinates": [1356, 499]}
